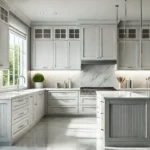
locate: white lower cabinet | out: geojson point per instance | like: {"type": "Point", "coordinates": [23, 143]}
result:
{"type": "Point", "coordinates": [19, 115]}
{"type": "Point", "coordinates": [63, 102]}
{"type": "Point", "coordinates": [70, 102]}
{"type": "Point", "coordinates": [87, 105]}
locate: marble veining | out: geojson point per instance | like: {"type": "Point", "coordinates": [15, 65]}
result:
{"type": "Point", "coordinates": [90, 76]}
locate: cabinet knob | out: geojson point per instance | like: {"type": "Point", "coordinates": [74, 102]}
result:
{"type": "Point", "coordinates": [1, 65]}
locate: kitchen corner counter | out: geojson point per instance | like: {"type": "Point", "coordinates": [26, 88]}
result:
{"type": "Point", "coordinates": [14, 94]}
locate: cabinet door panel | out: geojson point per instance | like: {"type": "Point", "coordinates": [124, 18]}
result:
{"type": "Point", "coordinates": [145, 55]}
{"type": "Point", "coordinates": [90, 42]}
{"type": "Point", "coordinates": [4, 45]}
{"type": "Point", "coordinates": [61, 54]}
{"type": "Point", "coordinates": [108, 42]}
{"type": "Point", "coordinates": [128, 55]}
{"type": "Point", "coordinates": [74, 55]}
{"type": "Point", "coordinates": [127, 122]}
{"type": "Point", "coordinates": [43, 55]}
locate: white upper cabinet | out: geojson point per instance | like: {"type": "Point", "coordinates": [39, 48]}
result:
{"type": "Point", "coordinates": [56, 48]}
{"type": "Point", "coordinates": [74, 59]}
{"type": "Point", "coordinates": [89, 42]}
{"type": "Point", "coordinates": [43, 55]}
{"type": "Point", "coordinates": [108, 42]}
{"type": "Point", "coordinates": [4, 38]}
{"type": "Point", "coordinates": [128, 55]}
{"type": "Point", "coordinates": [60, 54]}
{"type": "Point", "coordinates": [145, 54]}
{"type": "Point", "coordinates": [4, 45]}
{"type": "Point", "coordinates": [99, 42]}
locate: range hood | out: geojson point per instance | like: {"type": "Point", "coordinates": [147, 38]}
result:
{"type": "Point", "coordinates": [98, 62]}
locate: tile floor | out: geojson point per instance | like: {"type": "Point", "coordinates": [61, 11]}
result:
{"type": "Point", "coordinates": [63, 133]}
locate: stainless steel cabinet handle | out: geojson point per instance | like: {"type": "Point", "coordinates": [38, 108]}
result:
{"type": "Point", "coordinates": [44, 67]}
{"type": "Point", "coordinates": [21, 126]}
{"type": "Point", "coordinates": [21, 114]}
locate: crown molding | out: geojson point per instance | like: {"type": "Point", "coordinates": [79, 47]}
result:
{"type": "Point", "coordinates": [96, 21]}
{"type": "Point", "coordinates": [75, 23]}
{"type": "Point", "coordinates": [135, 23]}
{"type": "Point", "coordinates": [50, 23]}
{"type": "Point", "coordinates": [16, 12]}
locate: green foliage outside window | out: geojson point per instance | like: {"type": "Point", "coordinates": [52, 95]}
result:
{"type": "Point", "coordinates": [10, 76]}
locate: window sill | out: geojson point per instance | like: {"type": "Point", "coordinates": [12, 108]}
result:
{"type": "Point", "coordinates": [9, 89]}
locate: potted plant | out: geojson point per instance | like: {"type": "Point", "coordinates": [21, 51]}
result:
{"type": "Point", "coordinates": [38, 80]}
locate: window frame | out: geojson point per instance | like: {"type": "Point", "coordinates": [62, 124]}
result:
{"type": "Point", "coordinates": [22, 40]}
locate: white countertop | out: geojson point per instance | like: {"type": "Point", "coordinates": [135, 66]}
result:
{"type": "Point", "coordinates": [119, 94]}
{"type": "Point", "coordinates": [134, 89]}
{"type": "Point", "coordinates": [63, 89]}
{"type": "Point", "coordinates": [14, 94]}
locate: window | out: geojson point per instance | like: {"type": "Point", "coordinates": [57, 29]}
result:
{"type": "Point", "coordinates": [17, 60]}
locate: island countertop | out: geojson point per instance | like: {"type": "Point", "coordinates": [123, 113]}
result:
{"type": "Point", "coordinates": [119, 94]}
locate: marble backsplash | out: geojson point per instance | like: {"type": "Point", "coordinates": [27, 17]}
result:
{"type": "Point", "coordinates": [89, 76]}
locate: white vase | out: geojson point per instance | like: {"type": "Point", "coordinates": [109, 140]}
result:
{"type": "Point", "coordinates": [38, 85]}
{"type": "Point", "coordinates": [119, 85]}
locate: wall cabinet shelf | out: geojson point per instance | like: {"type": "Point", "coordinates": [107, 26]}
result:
{"type": "Point", "coordinates": [95, 41]}
{"type": "Point", "coordinates": [61, 52]}
{"type": "Point", "coordinates": [4, 38]}
{"type": "Point", "coordinates": [130, 57]}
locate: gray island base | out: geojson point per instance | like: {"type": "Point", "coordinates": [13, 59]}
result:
{"type": "Point", "coordinates": [123, 119]}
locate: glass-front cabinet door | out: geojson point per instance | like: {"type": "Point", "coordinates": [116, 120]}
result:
{"type": "Point", "coordinates": [4, 14]}
{"type": "Point", "coordinates": [43, 33]}
{"type": "Point", "coordinates": [74, 34]}
{"type": "Point", "coordinates": [60, 33]}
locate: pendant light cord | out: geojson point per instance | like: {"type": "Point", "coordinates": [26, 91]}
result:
{"type": "Point", "coordinates": [125, 19]}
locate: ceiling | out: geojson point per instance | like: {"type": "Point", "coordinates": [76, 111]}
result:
{"type": "Point", "coordinates": [73, 10]}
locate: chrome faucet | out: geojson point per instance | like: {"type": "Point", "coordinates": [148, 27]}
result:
{"type": "Point", "coordinates": [19, 82]}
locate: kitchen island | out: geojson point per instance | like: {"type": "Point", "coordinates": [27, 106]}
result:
{"type": "Point", "coordinates": [123, 118]}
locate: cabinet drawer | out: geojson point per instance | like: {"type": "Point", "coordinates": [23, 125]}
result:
{"type": "Point", "coordinates": [88, 101]}
{"type": "Point", "coordinates": [87, 110]}
{"type": "Point", "coordinates": [62, 102]}
{"type": "Point", "coordinates": [19, 114]}
{"type": "Point", "coordinates": [19, 102]}
{"type": "Point", "coordinates": [57, 95]}
{"type": "Point", "coordinates": [62, 110]}
{"type": "Point", "coordinates": [19, 127]}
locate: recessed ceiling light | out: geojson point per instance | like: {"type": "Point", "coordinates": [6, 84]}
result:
{"type": "Point", "coordinates": [42, 13]}
{"type": "Point", "coordinates": [54, 13]}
